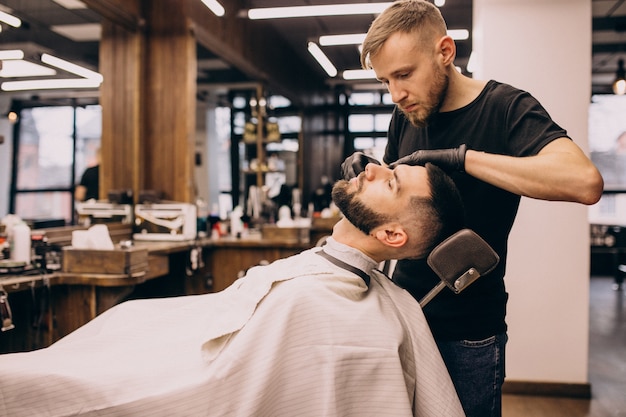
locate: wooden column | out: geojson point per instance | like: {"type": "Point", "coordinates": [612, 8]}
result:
{"type": "Point", "coordinates": [122, 65]}
{"type": "Point", "coordinates": [170, 101]}
{"type": "Point", "coordinates": [148, 97]}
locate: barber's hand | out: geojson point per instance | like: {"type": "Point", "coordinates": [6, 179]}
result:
{"type": "Point", "coordinates": [446, 159]}
{"type": "Point", "coordinates": [355, 164]}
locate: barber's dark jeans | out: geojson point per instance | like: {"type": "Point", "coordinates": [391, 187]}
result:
{"type": "Point", "coordinates": [477, 370]}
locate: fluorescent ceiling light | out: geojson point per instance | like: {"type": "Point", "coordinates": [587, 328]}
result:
{"type": "Point", "coordinates": [458, 34]}
{"type": "Point", "coordinates": [322, 59]}
{"type": "Point", "coordinates": [11, 54]}
{"type": "Point", "coordinates": [472, 63]}
{"type": "Point", "coordinates": [19, 68]}
{"type": "Point", "coordinates": [71, 4]}
{"type": "Point", "coordinates": [10, 19]}
{"type": "Point", "coordinates": [50, 84]}
{"type": "Point", "coordinates": [320, 10]}
{"type": "Point", "coordinates": [79, 33]}
{"type": "Point", "coordinates": [359, 75]}
{"type": "Point", "coordinates": [214, 6]}
{"type": "Point", "coordinates": [358, 38]}
{"type": "Point", "coordinates": [14, 66]}
{"type": "Point", "coordinates": [70, 67]}
{"type": "Point", "coordinates": [352, 39]}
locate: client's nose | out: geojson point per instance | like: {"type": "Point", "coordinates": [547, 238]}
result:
{"type": "Point", "coordinates": [370, 171]}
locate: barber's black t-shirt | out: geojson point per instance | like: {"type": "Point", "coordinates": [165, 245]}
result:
{"type": "Point", "coordinates": [90, 180]}
{"type": "Point", "coordinates": [501, 120]}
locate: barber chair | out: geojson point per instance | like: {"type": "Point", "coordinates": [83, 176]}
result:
{"type": "Point", "coordinates": [459, 261]}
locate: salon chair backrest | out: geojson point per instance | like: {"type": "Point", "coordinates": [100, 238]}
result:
{"type": "Point", "coordinates": [459, 261]}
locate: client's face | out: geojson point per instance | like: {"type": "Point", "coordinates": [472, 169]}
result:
{"type": "Point", "coordinates": [379, 194]}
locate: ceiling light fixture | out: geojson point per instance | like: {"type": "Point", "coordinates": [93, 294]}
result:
{"type": "Point", "coordinates": [11, 54]}
{"type": "Point", "coordinates": [70, 67]}
{"type": "Point", "coordinates": [84, 32]}
{"type": "Point", "coordinates": [71, 4]}
{"type": "Point", "coordinates": [358, 38]}
{"type": "Point", "coordinates": [359, 74]}
{"type": "Point", "coordinates": [50, 84]}
{"type": "Point", "coordinates": [351, 39]}
{"type": "Point", "coordinates": [13, 68]}
{"type": "Point", "coordinates": [458, 34]}
{"type": "Point", "coordinates": [10, 19]}
{"type": "Point", "coordinates": [322, 59]}
{"type": "Point", "coordinates": [89, 78]}
{"type": "Point", "coordinates": [619, 85]}
{"type": "Point", "coordinates": [319, 10]}
{"type": "Point", "coordinates": [215, 7]}
{"type": "Point", "coordinates": [472, 63]}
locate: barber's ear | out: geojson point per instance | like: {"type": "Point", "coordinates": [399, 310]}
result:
{"type": "Point", "coordinates": [447, 47]}
{"type": "Point", "coordinates": [392, 235]}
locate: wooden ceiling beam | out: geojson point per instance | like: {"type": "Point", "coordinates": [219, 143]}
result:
{"type": "Point", "coordinates": [256, 50]}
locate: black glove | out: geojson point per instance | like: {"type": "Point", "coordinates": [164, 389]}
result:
{"type": "Point", "coordinates": [355, 164]}
{"type": "Point", "coordinates": [446, 159]}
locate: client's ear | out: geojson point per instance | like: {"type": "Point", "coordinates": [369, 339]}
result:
{"type": "Point", "coordinates": [392, 235]}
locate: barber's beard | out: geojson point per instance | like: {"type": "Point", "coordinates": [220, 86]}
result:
{"type": "Point", "coordinates": [355, 210]}
{"type": "Point", "coordinates": [438, 90]}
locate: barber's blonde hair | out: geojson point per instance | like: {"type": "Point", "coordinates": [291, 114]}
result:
{"type": "Point", "coordinates": [407, 16]}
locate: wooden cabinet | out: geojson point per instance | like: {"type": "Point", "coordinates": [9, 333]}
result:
{"type": "Point", "coordinates": [228, 258]}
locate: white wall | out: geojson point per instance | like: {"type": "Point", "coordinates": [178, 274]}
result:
{"type": "Point", "coordinates": [544, 47]}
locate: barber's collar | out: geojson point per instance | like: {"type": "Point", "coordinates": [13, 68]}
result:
{"type": "Point", "coordinates": [348, 258]}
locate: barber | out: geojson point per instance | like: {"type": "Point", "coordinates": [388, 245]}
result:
{"type": "Point", "coordinates": [89, 186]}
{"type": "Point", "coordinates": [498, 143]}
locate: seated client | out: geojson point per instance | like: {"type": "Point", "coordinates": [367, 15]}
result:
{"type": "Point", "coordinates": [321, 333]}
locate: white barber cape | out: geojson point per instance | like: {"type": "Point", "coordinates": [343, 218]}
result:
{"type": "Point", "coordinates": [300, 337]}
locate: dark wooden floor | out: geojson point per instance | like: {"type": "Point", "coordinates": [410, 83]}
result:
{"type": "Point", "coordinates": [607, 364]}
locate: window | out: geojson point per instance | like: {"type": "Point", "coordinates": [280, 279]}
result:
{"type": "Point", "coordinates": [368, 122]}
{"type": "Point", "coordinates": [53, 147]}
{"type": "Point", "coordinates": [607, 146]}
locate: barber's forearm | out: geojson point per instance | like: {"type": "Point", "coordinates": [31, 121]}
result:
{"type": "Point", "coordinates": [559, 172]}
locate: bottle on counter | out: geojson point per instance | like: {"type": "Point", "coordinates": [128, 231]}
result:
{"type": "Point", "coordinates": [4, 246]}
{"type": "Point", "coordinates": [21, 242]}
{"type": "Point", "coordinates": [202, 210]}
{"type": "Point", "coordinates": [236, 223]}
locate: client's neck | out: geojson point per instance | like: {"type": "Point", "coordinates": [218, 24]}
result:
{"type": "Point", "coordinates": [346, 233]}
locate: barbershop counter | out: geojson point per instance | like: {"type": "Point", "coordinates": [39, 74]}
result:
{"type": "Point", "coordinates": [45, 306]}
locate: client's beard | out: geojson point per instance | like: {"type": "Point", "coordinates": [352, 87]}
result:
{"type": "Point", "coordinates": [362, 217]}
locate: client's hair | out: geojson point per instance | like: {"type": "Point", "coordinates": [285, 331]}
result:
{"type": "Point", "coordinates": [442, 214]}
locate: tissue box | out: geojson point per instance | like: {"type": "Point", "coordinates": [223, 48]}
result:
{"type": "Point", "coordinates": [93, 261]}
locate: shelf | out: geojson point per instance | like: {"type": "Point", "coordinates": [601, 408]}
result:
{"type": "Point", "coordinates": [267, 171]}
